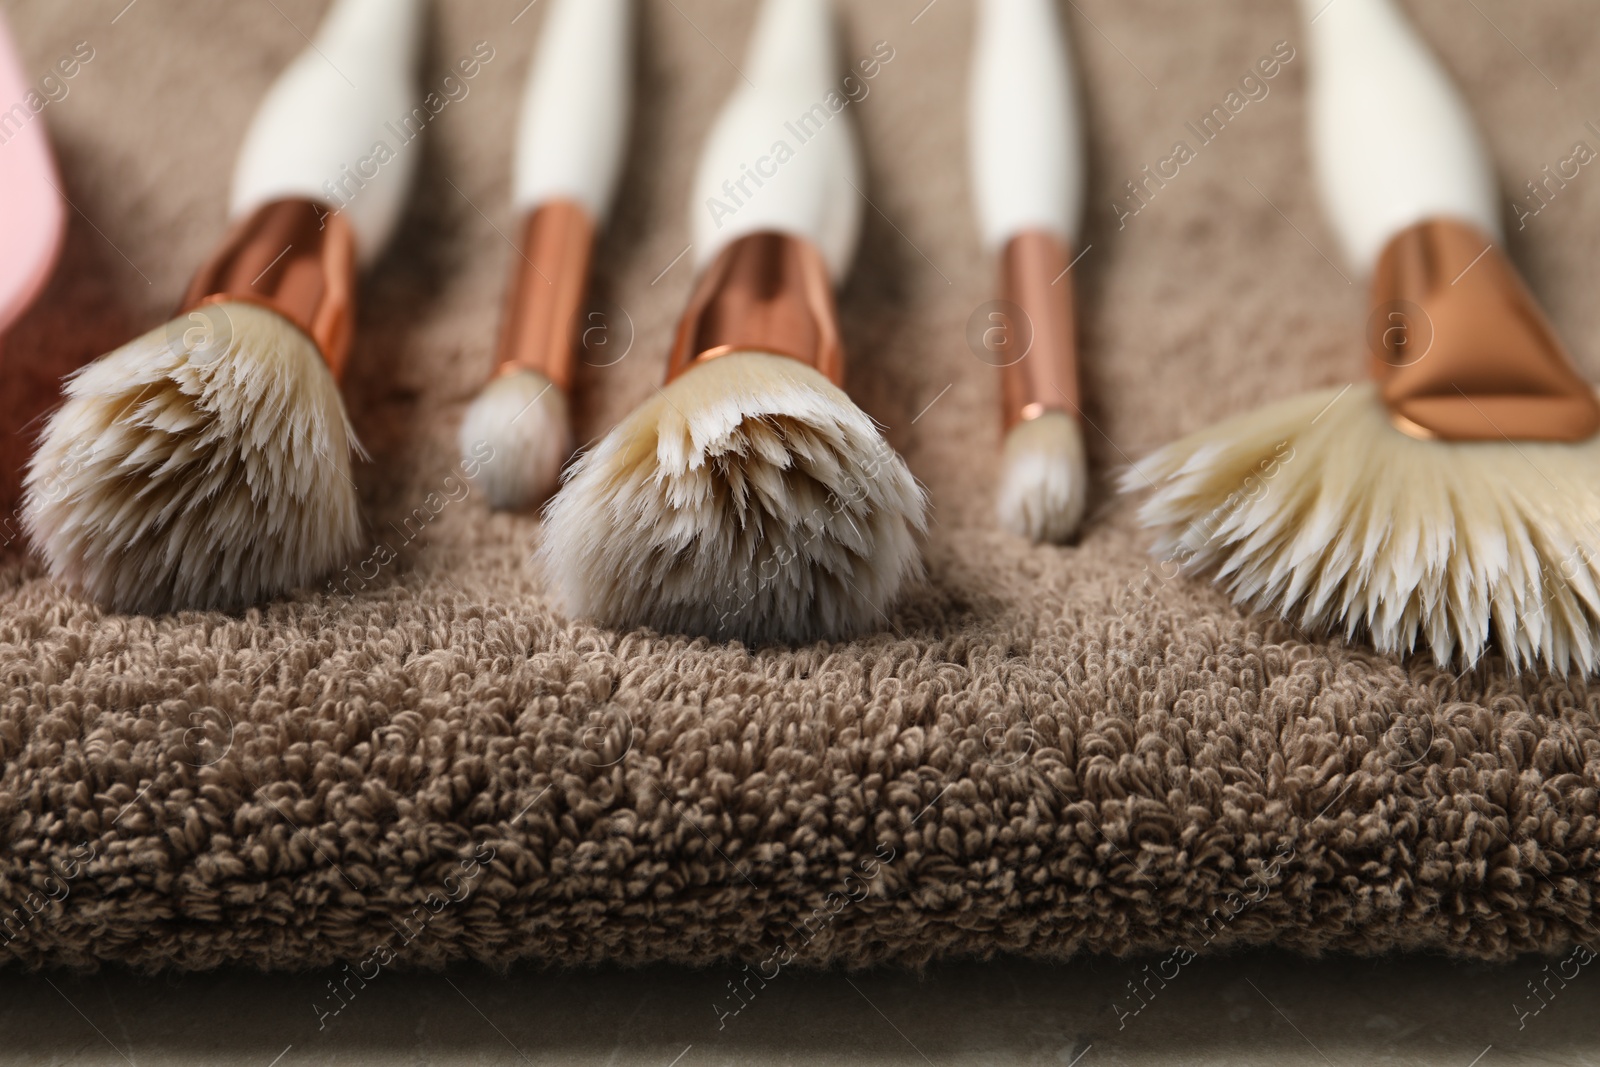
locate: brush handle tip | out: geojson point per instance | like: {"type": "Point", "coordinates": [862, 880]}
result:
{"type": "Point", "coordinates": [1025, 136]}
{"type": "Point", "coordinates": [1393, 141]}
{"type": "Point", "coordinates": [333, 126]}
{"type": "Point", "coordinates": [782, 156]}
{"type": "Point", "coordinates": [572, 133]}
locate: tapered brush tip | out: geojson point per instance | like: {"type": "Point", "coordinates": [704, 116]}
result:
{"type": "Point", "coordinates": [1044, 478]}
{"type": "Point", "coordinates": [203, 465]}
{"type": "Point", "coordinates": [520, 422]}
{"type": "Point", "coordinates": [748, 499]}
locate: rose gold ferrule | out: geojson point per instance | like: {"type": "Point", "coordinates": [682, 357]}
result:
{"type": "Point", "coordinates": [1038, 354]}
{"type": "Point", "coordinates": [296, 257]}
{"type": "Point", "coordinates": [1461, 350]}
{"type": "Point", "coordinates": [546, 294]}
{"type": "Point", "coordinates": [766, 292]}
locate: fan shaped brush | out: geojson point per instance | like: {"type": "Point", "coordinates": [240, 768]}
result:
{"type": "Point", "coordinates": [569, 153]}
{"type": "Point", "coordinates": [1026, 155]}
{"type": "Point", "coordinates": [1455, 498]}
{"type": "Point", "coordinates": [206, 463]}
{"type": "Point", "coordinates": [750, 498]}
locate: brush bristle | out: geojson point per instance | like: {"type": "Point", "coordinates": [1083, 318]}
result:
{"type": "Point", "coordinates": [1044, 478]}
{"type": "Point", "coordinates": [214, 478]}
{"type": "Point", "coordinates": [1319, 509]}
{"type": "Point", "coordinates": [749, 499]}
{"type": "Point", "coordinates": [523, 418]}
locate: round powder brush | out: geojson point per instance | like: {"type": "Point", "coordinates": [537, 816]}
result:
{"type": "Point", "coordinates": [1026, 158]}
{"type": "Point", "coordinates": [1454, 497]}
{"type": "Point", "coordinates": [569, 151]}
{"type": "Point", "coordinates": [207, 463]}
{"type": "Point", "coordinates": [750, 498]}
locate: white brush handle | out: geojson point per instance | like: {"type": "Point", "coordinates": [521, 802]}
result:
{"type": "Point", "coordinates": [1392, 139]}
{"type": "Point", "coordinates": [1025, 131]}
{"type": "Point", "coordinates": [573, 132]}
{"type": "Point", "coordinates": [317, 132]}
{"type": "Point", "coordinates": [745, 183]}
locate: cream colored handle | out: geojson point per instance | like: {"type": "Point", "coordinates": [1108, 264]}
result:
{"type": "Point", "coordinates": [573, 132]}
{"type": "Point", "coordinates": [780, 157]}
{"type": "Point", "coordinates": [1024, 130]}
{"type": "Point", "coordinates": [322, 131]}
{"type": "Point", "coordinates": [1392, 139]}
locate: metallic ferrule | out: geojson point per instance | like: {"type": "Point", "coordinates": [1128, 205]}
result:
{"type": "Point", "coordinates": [1460, 349]}
{"type": "Point", "coordinates": [295, 257]}
{"type": "Point", "coordinates": [1038, 354]}
{"type": "Point", "coordinates": [547, 291]}
{"type": "Point", "coordinates": [766, 292]}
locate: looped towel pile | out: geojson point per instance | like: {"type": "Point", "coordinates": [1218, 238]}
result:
{"type": "Point", "coordinates": [1045, 751]}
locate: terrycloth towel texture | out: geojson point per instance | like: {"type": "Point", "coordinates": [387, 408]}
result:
{"type": "Point", "coordinates": [1046, 750]}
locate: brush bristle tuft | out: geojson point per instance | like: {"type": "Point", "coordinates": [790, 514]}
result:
{"type": "Point", "coordinates": [209, 478]}
{"type": "Point", "coordinates": [1319, 509]}
{"type": "Point", "coordinates": [1044, 478]}
{"type": "Point", "coordinates": [522, 417]}
{"type": "Point", "coordinates": [748, 499]}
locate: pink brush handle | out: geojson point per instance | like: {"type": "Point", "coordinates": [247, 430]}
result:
{"type": "Point", "coordinates": [32, 215]}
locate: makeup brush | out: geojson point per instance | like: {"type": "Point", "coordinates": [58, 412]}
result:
{"type": "Point", "coordinates": [750, 498]}
{"type": "Point", "coordinates": [207, 462]}
{"type": "Point", "coordinates": [569, 151]}
{"type": "Point", "coordinates": [1026, 154]}
{"type": "Point", "coordinates": [1456, 496]}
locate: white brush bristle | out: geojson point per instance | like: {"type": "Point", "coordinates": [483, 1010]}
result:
{"type": "Point", "coordinates": [174, 479]}
{"type": "Point", "coordinates": [522, 416]}
{"type": "Point", "coordinates": [1044, 478]}
{"type": "Point", "coordinates": [749, 499]}
{"type": "Point", "coordinates": [1319, 509]}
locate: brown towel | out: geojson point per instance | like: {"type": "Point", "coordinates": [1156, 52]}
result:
{"type": "Point", "coordinates": [1046, 750]}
